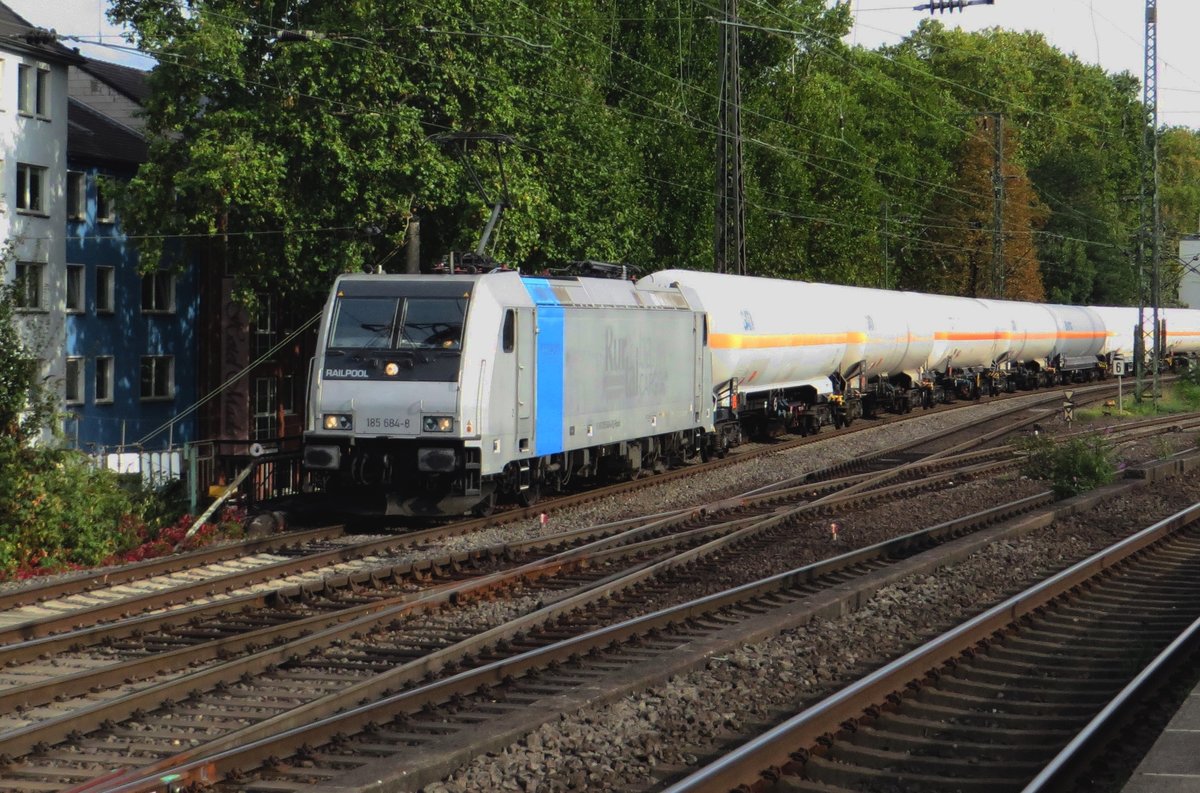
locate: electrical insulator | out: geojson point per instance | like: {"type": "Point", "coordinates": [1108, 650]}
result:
{"type": "Point", "coordinates": [41, 36]}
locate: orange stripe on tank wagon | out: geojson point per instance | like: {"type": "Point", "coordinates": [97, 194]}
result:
{"type": "Point", "coordinates": [1008, 335]}
{"type": "Point", "coordinates": [943, 335]}
{"type": "Point", "coordinates": [739, 341]}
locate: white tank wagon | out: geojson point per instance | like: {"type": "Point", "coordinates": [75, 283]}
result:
{"type": "Point", "coordinates": [440, 393]}
{"type": "Point", "coordinates": [796, 355]}
{"type": "Point", "coordinates": [1182, 331]}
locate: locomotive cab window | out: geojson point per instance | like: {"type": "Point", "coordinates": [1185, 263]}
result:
{"type": "Point", "coordinates": [389, 323]}
{"type": "Point", "coordinates": [432, 322]}
{"type": "Point", "coordinates": [510, 330]}
{"type": "Point", "coordinates": [420, 336]}
{"type": "Point", "coordinates": [364, 323]}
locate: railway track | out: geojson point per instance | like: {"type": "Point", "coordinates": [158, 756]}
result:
{"type": "Point", "coordinates": [44, 609]}
{"type": "Point", "coordinates": [549, 652]}
{"type": "Point", "coordinates": [571, 571]}
{"type": "Point", "coordinates": [268, 626]}
{"type": "Point", "coordinates": [1017, 696]}
{"type": "Point", "coordinates": [200, 591]}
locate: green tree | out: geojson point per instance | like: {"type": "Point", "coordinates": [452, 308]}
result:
{"type": "Point", "coordinates": [26, 404]}
{"type": "Point", "coordinates": [306, 155]}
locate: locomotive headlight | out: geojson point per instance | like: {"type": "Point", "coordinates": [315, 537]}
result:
{"type": "Point", "coordinates": [437, 424]}
{"type": "Point", "coordinates": [338, 421]}
{"type": "Point", "coordinates": [392, 369]}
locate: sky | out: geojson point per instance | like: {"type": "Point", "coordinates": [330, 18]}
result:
{"type": "Point", "coordinates": [1107, 32]}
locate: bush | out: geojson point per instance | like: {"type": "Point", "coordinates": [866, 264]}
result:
{"type": "Point", "coordinates": [59, 510]}
{"type": "Point", "coordinates": [1072, 467]}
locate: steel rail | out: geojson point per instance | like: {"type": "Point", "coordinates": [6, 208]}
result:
{"type": "Point", "coordinates": [1107, 723]}
{"type": "Point", "coordinates": [212, 587]}
{"type": "Point", "coordinates": [37, 693]}
{"type": "Point", "coordinates": [138, 571]}
{"type": "Point", "coordinates": [776, 748]}
{"type": "Point", "coordinates": [301, 726]}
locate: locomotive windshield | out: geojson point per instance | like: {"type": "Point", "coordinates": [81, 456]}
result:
{"type": "Point", "coordinates": [389, 323]}
{"type": "Point", "coordinates": [422, 334]}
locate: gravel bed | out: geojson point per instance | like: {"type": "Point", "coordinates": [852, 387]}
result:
{"type": "Point", "coordinates": [619, 746]}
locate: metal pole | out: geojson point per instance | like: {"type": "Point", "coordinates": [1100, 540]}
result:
{"type": "Point", "coordinates": [1148, 227]}
{"type": "Point", "coordinates": [1152, 130]}
{"type": "Point", "coordinates": [730, 220]}
{"type": "Point", "coordinates": [997, 205]}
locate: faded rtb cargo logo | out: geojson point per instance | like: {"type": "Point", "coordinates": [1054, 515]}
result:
{"type": "Point", "coordinates": [634, 367]}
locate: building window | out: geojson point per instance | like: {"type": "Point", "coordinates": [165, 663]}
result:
{"type": "Point", "coordinates": [75, 287]}
{"type": "Point", "coordinates": [106, 205]}
{"type": "Point", "coordinates": [105, 286]}
{"type": "Point", "coordinates": [31, 188]}
{"type": "Point", "coordinates": [158, 292]}
{"type": "Point", "coordinates": [264, 326]}
{"type": "Point", "coordinates": [287, 394]}
{"type": "Point", "coordinates": [29, 285]}
{"type": "Point", "coordinates": [73, 381]}
{"type": "Point", "coordinates": [76, 195]}
{"type": "Point", "coordinates": [266, 416]}
{"type": "Point", "coordinates": [157, 377]}
{"type": "Point", "coordinates": [104, 379]}
{"type": "Point", "coordinates": [33, 90]}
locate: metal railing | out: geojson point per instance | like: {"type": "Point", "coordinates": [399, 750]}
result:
{"type": "Point", "coordinates": [207, 467]}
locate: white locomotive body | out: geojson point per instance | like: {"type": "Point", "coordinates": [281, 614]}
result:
{"type": "Point", "coordinates": [440, 392]}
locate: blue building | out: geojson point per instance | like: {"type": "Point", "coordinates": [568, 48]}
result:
{"type": "Point", "coordinates": [130, 364]}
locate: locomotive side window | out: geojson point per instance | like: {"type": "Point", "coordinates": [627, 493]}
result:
{"type": "Point", "coordinates": [510, 330]}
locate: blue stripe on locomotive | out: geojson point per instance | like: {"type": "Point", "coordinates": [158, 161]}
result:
{"type": "Point", "coordinates": [550, 363]}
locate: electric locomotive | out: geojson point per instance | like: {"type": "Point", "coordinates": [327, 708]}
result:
{"type": "Point", "coordinates": [435, 395]}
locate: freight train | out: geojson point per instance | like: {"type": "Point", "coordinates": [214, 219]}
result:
{"type": "Point", "coordinates": [437, 395]}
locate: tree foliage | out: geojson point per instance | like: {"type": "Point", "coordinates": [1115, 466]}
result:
{"type": "Point", "coordinates": [26, 403]}
{"type": "Point", "coordinates": [301, 155]}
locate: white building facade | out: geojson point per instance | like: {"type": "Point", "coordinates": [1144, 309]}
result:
{"type": "Point", "coordinates": [33, 170]}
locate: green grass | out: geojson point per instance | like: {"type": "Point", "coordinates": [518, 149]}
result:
{"type": "Point", "coordinates": [1181, 397]}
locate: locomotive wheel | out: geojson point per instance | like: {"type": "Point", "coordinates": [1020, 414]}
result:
{"type": "Point", "coordinates": [485, 507]}
{"type": "Point", "coordinates": [531, 496]}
